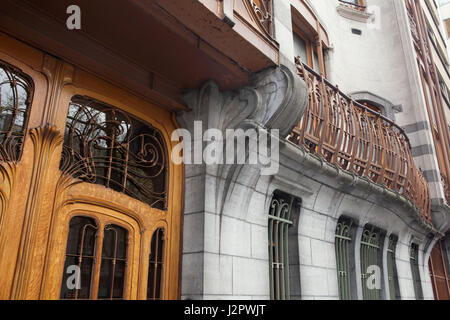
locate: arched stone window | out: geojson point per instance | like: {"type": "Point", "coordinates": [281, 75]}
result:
{"type": "Point", "coordinates": [283, 247]}
{"type": "Point", "coordinates": [345, 258]}
{"type": "Point", "coordinates": [371, 254]}
{"type": "Point", "coordinates": [394, 288]}
{"type": "Point", "coordinates": [414, 261]}
{"type": "Point", "coordinates": [376, 103]}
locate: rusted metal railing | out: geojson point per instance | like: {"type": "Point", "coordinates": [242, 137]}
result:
{"type": "Point", "coordinates": [353, 5]}
{"type": "Point", "coordinates": [359, 140]}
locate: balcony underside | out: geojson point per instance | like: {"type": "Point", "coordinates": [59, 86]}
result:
{"type": "Point", "coordinates": [156, 55]}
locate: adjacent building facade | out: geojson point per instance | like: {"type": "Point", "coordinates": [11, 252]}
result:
{"type": "Point", "coordinates": [349, 101]}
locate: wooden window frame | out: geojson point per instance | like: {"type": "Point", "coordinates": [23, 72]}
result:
{"type": "Point", "coordinates": [101, 224]}
{"type": "Point", "coordinates": [312, 47]}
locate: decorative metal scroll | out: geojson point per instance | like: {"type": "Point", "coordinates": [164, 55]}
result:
{"type": "Point", "coordinates": [106, 146]}
{"type": "Point", "coordinates": [16, 93]}
{"type": "Point", "coordinates": [359, 140]}
{"type": "Point", "coordinates": [263, 12]}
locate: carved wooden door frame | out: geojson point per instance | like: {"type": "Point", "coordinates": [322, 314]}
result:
{"type": "Point", "coordinates": [37, 200]}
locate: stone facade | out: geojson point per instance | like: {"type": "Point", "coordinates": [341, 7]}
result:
{"type": "Point", "coordinates": [225, 236]}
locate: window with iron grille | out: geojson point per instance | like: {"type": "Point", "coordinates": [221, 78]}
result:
{"type": "Point", "coordinates": [414, 260]}
{"type": "Point", "coordinates": [343, 247]}
{"type": "Point", "coordinates": [156, 265]}
{"type": "Point", "coordinates": [370, 256]}
{"type": "Point", "coordinates": [394, 288]}
{"type": "Point", "coordinates": [83, 254]}
{"type": "Point", "coordinates": [16, 93]}
{"type": "Point", "coordinates": [283, 247]}
{"type": "Point", "coordinates": [107, 146]}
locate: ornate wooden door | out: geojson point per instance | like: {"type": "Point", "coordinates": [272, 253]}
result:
{"type": "Point", "coordinates": [90, 203]}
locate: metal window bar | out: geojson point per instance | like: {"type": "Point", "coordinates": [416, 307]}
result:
{"type": "Point", "coordinates": [392, 270]}
{"type": "Point", "coordinates": [279, 223]}
{"type": "Point", "coordinates": [112, 283]}
{"type": "Point", "coordinates": [343, 241]}
{"type": "Point", "coordinates": [414, 260]}
{"type": "Point", "coordinates": [370, 246]}
{"type": "Point", "coordinates": [107, 146]}
{"type": "Point", "coordinates": [82, 259]}
{"type": "Point", "coordinates": [156, 266]}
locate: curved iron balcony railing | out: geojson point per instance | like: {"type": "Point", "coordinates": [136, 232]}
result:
{"type": "Point", "coordinates": [359, 140]}
{"type": "Point", "coordinates": [353, 5]}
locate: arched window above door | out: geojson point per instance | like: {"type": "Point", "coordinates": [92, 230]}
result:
{"type": "Point", "coordinates": [107, 146]}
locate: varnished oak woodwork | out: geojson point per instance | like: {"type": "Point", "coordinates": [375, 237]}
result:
{"type": "Point", "coordinates": [37, 200]}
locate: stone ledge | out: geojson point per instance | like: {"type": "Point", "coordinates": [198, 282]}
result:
{"type": "Point", "coordinates": [349, 180]}
{"type": "Point", "coordinates": [353, 14]}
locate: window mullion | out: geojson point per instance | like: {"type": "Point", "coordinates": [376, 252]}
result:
{"type": "Point", "coordinates": [97, 262]}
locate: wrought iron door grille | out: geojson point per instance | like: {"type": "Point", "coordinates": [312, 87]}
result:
{"type": "Point", "coordinates": [156, 266]}
{"type": "Point", "coordinates": [280, 221]}
{"type": "Point", "coordinates": [370, 246]}
{"type": "Point", "coordinates": [342, 246]}
{"type": "Point", "coordinates": [113, 263]}
{"type": "Point", "coordinates": [83, 251]}
{"type": "Point", "coordinates": [80, 252]}
{"type": "Point", "coordinates": [107, 146]}
{"type": "Point", "coordinates": [16, 93]}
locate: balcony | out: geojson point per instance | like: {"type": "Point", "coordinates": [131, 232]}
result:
{"type": "Point", "coordinates": [357, 139]}
{"type": "Point", "coordinates": [353, 5]}
{"type": "Point", "coordinates": [171, 45]}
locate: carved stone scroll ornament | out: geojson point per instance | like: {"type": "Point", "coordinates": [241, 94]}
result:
{"type": "Point", "coordinates": [276, 99]}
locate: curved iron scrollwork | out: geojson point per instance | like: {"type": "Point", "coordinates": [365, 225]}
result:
{"type": "Point", "coordinates": [106, 146]}
{"type": "Point", "coordinates": [16, 92]}
{"type": "Point", "coordinates": [359, 140]}
{"type": "Point", "coordinates": [263, 11]}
